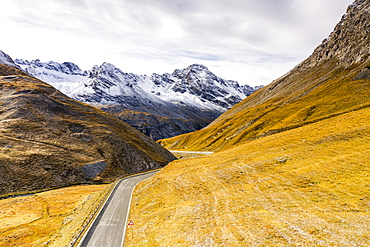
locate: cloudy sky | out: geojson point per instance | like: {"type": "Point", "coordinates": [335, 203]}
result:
{"type": "Point", "coordinates": [251, 41]}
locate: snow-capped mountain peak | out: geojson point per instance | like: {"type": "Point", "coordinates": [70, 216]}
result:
{"type": "Point", "coordinates": [67, 68]}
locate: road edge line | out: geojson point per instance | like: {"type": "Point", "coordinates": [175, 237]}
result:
{"type": "Point", "coordinates": [129, 205]}
{"type": "Point", "coordinates": [128, 214]}
{"type": "Point", "coordinates": [87, 228]}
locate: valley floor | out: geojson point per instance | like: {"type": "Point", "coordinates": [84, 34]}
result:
{"type": "Point", "coordinates": [309, 186]}
{"type": "Point", "coordinates": [51, 218]}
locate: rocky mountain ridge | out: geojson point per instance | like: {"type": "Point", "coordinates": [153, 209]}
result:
{"type": "Point", "coordinates": [349, 42]}
{"type": "Point", "coordinates": [185, 100]}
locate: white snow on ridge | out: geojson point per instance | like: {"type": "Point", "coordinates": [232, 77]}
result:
{"type": "Point", "coordinates": [68, 84]}
{"type": "Point", "coordinates": [192, 86]}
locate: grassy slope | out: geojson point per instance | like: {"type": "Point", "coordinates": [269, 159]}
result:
{"type": "Point", "coordinates": [308, 186]}
{"type": "Point", "coordinates": [49, 218]}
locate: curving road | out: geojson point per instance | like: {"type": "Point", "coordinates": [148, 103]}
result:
{"type": "Point", "coordinates": [191, 152]}
{"type": "Point", "coordinates": [109, 227]}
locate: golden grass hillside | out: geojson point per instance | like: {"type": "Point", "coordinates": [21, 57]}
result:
{"type": "Point", "coordinates": [49, 140]}
{"type": "Point", "coordinates": [309, 186]}
{"type": "Point", "coordinates": [52, 218]}
{"type": "Point", "coordinates": [334, 80]}
{"type": "Point", "coordinates": [243, 123]}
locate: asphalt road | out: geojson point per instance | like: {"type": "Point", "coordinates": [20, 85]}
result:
{"type": "Point", "coordinates": [109, 227]}
{"type": "Point", "coordinates": [191, 152]}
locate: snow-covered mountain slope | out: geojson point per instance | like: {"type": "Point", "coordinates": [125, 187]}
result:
{"type": "Point", "coordinates": [193, 93]}
{"type": "Point", "coordinates": [7, 60]}
{"type": "Point", "coordinates": [195, 85]}
{"type": "Point", "coordinates": [198, 86]}
{"type": "Point", "coordinates": [65, 77]}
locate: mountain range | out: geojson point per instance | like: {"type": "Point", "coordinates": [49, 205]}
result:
{"type": "Point", "coordinates": [160, 106]}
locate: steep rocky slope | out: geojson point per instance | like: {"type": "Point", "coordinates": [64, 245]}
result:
{"type": "Point", "coordinates": [333, 80]}
{"type": "Point", "coordinates": [49, 140]}
{"type": "Point", "coordinates": [156, 126]}
{"type": "Point", "coordinates": [185, 100]}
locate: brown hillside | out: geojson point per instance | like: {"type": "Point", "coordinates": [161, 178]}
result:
{"type": "Point", "coordinates": [49, 140]}
{"type": "Point", "coordinates": [335, 79]}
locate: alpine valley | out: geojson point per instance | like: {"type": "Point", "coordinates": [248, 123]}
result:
{"type": "Point", "coordinates": [288, 165]}
{"type": "Point", "coordinates": [160, 106]}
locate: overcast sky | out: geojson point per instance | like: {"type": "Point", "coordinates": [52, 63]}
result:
{"type": "Point", "coordinates": [251, 41]}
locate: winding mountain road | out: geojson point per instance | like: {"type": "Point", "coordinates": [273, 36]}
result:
{"type": "Point", "coordinates": [109, 227]}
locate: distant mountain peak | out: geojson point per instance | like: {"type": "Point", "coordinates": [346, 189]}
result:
{"type": "Point", "coordinates": [195, 69]}
{"type": "Point", "coordinates": [197, 66]}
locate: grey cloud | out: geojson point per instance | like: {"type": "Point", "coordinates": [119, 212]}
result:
{"type": "Point", "coordinates": [201, 56]}
{"type": "Point", "coordinates": [213, 31]}
{"type": "Point", "coordinates": [167, 6]}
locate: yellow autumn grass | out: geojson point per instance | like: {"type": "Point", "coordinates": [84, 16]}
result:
{"type": "Point", "coordinates": [51, 218]}
{"type": "Point", "coordinates": [308, 186]}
